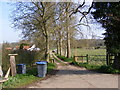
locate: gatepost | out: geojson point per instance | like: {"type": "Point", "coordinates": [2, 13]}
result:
{"type": "Point", "coordinates": [13, 64]}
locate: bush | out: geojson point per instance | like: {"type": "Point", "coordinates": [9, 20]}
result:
{"type": "Point", "coordinates": [25, 56]}
{"type": "Point", "coordinates": [108, 69]}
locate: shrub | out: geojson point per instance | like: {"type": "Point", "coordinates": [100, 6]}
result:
{"type": "Point", "coordinates": [108, 69]}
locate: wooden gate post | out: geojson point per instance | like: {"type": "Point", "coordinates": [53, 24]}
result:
{"type": "Point", "coordinates": [13, 64]}
{"type": "Point", "coordinates": [87, 58]}
{"type": "Point", "coordinates": [74, 59]}
{"type": "Point", "coordinates": [107, 59]}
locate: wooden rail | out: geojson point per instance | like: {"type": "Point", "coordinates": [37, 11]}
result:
{"type": "Point", "coordinates": [82, 58]}
{"type": "Point", "coordinates": [87, 58]}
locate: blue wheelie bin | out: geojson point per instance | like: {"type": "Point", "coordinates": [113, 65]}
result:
{"type": "Point", "coordinates": [42, 68]}
{"type": "Point", "coordinates": [21, 68]}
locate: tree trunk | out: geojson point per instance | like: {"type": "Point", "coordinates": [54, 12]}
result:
{"type": "Point", "coordinates": [47, 52]}
{"type": "Point", "coordinates": [68, 45]}
{"type": "Point", "coordinates": [68, 32]}
{"type": "Point", "coordinates": [61, 51]}
{"type": "Point", "coordinates": [47, 49]}
{"type": "Point", "coordinates": [58, 47]}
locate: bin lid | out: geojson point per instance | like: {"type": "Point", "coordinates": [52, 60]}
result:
{"type": "Point", "coordinates": [20, 64]}
{"type": "Point", "coordinates": [41, 62]}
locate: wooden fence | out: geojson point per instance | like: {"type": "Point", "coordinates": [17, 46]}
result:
{"type": "Point", "coordinates": [99, 59]}
{"type": "Point", "coordinates": [81, 58]}
{"type": "Point", "coordinates": [110, 58]}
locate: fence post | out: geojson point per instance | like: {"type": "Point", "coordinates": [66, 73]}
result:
{"type": "Point", "coordinates": [87, 57]}
{"type": "Point", "coordinates": [107, 59]}
{"type": "Point", "coordinates": [74, 59]}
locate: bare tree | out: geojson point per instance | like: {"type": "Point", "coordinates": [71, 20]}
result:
{"type": "Point", "coordinates": [35, 17]}
{"type": "Point", "coordinates": [43, 19]}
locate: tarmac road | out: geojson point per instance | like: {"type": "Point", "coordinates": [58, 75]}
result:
{"type": "Point", "coordinates": [70, 76]}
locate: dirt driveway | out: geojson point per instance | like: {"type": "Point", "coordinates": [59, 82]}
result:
{"type": "Point", "coordinates": [70, 76]}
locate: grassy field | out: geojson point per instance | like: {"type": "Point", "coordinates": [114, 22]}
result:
{"type": "Point", "coordinates": [93, 59]}
{"type": "Point", "coordinates": [78, 52]}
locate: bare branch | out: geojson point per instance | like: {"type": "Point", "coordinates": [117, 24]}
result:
{"type": "Point", "coordinates": [77, 9]}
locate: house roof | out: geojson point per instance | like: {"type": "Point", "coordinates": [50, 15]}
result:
{"type": "Point", "coordinates": [26, 47]}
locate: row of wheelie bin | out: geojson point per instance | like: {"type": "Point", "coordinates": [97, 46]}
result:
{"type": "Point", "coordinates": [41, 68]}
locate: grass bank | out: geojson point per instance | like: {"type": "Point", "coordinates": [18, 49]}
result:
{"type": "Point", "coordinates": [70, 60]}
{"type": "Point", "coordinates": [24, 79]}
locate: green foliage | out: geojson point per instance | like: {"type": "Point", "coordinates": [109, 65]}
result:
{"type": "Point", "coordinates": [65, 58]}
{"type": "Point", "coordinates": [108, 14]}
{"type": "Point", "coordinates": [23, 44]}
{"type": "Point", "coordinates": [19, 80]}
{"type": "Point", "coordinates": [87, 66]}
{"type": "Point", "coordinates": [26, 57]}
{"type": "Point", "coordinates": [108, 69]}
{"type": "Point", "coordinates": [32, 71]}
{"type": "Point", "coordinates": [50, 67]}
{"type": "Point", "coordinates": [57, 60]}
{"type": "Point", "coordinates": [98, 68]}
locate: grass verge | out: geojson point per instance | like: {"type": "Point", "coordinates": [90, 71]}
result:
{"type": "Point", "coordinates": [50, 67]}
{"type": "Point", "coordinates": [25, 79]}
{"type": "Point", "coordinates": [70, 60]}
{"type": "Point", "coordinates": [98, 68]}
{"type": "Point", "coordinates": [19, 80]}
